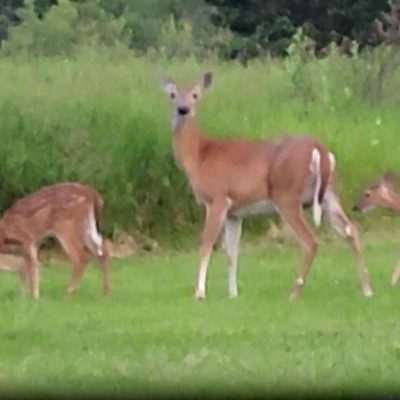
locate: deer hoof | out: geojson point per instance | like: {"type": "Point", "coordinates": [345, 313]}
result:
{"type": "Point", "coordinates": [199, 295]}
{"type": "Point", "coordinates": [368, 292]}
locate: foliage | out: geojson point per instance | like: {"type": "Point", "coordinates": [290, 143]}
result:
{"type": "Point", "coordinates": [268, 26]}
{"type": "Point", "coordinates": [63, 30]}
{"type": "Point", "coordinates": [102, 119]}
{"type": "Point", "coordinates": [229, 28]}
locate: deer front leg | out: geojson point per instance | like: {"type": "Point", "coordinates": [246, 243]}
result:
{"type": "Point", "coordinates": [345, 228]}
{"type": "Point", "coordinates": [30, 274]}
{"type": "Point", "coordinates": [395, 275]}
{"type": "Point", "coordinates": [232, 233]}
{"type": "Point", "coordinates": [215, 219]}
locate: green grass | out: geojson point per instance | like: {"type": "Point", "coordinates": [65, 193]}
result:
{"type": "Point", "coordinates": [151, 336]}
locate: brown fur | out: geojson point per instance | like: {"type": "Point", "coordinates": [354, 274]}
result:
{"type": "Point", "coordinates": [59, 210]}
{"type": "Point", "coordinates": [227, 175]}
{"type": "Point", "coordinates": [382, 194]}
{"type": "Point", "coordinates": [218, 167]}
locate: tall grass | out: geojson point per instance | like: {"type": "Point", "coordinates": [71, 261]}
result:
{"type": "Point", "coordinates": [102, 119]}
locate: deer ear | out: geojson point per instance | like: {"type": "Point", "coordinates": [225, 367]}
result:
{"type": "Point", "coordinates": [389, 177]}
{"type": "Point", "coordinates": [207, 80]}
{"type": "Point", "coordinates": [169, 86]}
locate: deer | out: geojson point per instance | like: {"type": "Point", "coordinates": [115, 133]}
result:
{"type": "Point", "coordinates": [381, 194]}
{"type": "Point", "coordinates": [236, 177]}
{"type": "Point", "coordinates": [68, 212]}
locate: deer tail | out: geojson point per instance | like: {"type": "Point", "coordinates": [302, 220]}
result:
{"type": "Point", "coordinates": [97, 206]}
{"type": "Point", "coordinates": [315, 167]}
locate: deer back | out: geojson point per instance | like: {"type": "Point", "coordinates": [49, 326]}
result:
{"type": "Point", "coordinates": [39, 213]}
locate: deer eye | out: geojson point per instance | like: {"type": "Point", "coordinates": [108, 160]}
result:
{"type": "Point", "coordinates": [172, 95]}
{"type": "Point", "coordinates": [367, 194]}
{"type": "Point", "coordinates": [195, 96]}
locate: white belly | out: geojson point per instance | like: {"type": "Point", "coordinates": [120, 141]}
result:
{"type": "Point", "coordinates": [260, 207]}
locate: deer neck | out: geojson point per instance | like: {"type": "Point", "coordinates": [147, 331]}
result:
{"type": "Point", "coordinates": [187, 141]}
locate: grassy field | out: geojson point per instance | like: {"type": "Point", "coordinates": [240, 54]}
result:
{"type": "Point", "coordinates": [152, 337]}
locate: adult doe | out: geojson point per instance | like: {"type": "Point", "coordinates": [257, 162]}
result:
{"type": "Point", "coordinates": [236, 177]}
{"type": "Point", "coordinates": [68, 212]}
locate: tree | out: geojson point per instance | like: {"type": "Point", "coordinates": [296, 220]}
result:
{"type": "Point", "coordinates": [271, 23]}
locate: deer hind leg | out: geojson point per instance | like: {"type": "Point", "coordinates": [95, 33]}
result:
{"type": "Point", "coordinates": [97, 246]}
{"type": "Point", "coordinates": [293, 216]}
{"type": "Point", "coordinates": [215, 219]}
{"type": "Point", "coordinates": [231, 240]}
{"type": "Point", "coordinates": [24, 278]}
{"type": "Point", "coordinates": [345, 228]}
{"type": "Point", "coordinates": [395, 275]}
{"type": "Point", "coordinates": [76, 253]}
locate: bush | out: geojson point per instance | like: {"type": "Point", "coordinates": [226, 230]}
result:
{"type": "Point", "coordinates": [64, 30]}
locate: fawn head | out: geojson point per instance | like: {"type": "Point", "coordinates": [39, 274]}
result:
{"type": "Point", "coordinates": [184, 99]}
{"type": "Point", "coordinates": [378, 194]}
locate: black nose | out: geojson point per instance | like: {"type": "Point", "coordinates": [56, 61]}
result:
{"type": "Point", "coordinates": [183, 110]}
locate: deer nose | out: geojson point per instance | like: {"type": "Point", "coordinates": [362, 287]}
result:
{"type": "Point", "coordinates": [183, 110]}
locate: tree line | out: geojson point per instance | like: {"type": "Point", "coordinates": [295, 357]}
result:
{"type": "Point", "coordinates": [239, 29]}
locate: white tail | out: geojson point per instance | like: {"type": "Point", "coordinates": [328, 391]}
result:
{"type": "Point", "coordinates": [315, 167]}
{"type": "Point", "coordinates": [233, 178]}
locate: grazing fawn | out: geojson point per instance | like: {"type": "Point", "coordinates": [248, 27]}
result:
{"type": "Point", "coordinates": [234, 178]}
{"type": "Point", "coordinates": [381, 193]}
{"type": "Point", "coordinates": [68, 212]}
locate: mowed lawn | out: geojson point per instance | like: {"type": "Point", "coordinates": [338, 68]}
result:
{"type": "Point", "coordinates": [152, 337]}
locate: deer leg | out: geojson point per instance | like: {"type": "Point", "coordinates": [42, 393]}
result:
{"type": "Point", "coordinates": [23, 277]}
{"type": "Point", "coordinates": [293, 216]}
{"type": "Point", "coordinates": [76, 253]}
{"type": "Point", "coordinates": [232, 233]}
{"type": "Point", "coordinates": [97, 246]}
{"type": "Point", "coordinates": [395, 275]}
{"type": "Point", "coordinates": [215, 219]}
{"type": "Point", "coordinates": [30, 274]}
{"type": "Point", "coordinates": [345, 228]}
{"type": "Point", "coordinates": [103, 261]}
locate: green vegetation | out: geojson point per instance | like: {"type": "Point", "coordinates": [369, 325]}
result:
{"type": "Point", "coordinates": [80, 98]}
{"type": "Point", "coordinates": [152, 336]}
{"type": "Point", "coordinates": [102, 118]}
{"type": "Point", "coordinates": [242, 30]}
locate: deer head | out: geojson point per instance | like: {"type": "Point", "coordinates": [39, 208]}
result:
{"type": "Point", "coordinates": [185, 99]}
{"type": "Point", "coordinates": [378, 194]}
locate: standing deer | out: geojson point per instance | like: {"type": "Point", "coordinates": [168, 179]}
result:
{"type": "Point", "coordinates": [236, 177]}
{"type": "Point", "coordinates": [381, 193]}
{"type": "Point", "coordinates": [67, 211]}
